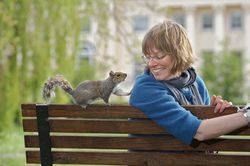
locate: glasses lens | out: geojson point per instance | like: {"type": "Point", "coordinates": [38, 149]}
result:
{"type": "Point", "coordinates": [158, 58]}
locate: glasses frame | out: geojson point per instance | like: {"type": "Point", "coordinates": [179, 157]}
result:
{"type": "Point", "coordinates": [147, 58]}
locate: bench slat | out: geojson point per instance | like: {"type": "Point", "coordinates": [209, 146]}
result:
{"type": "Point", "coordinates": [166, 142]}
{"type": "Point", "coordinates": [97, 126]}
{"type": "Point", "coordinates": [141, 158]}
{"type": "Point", "coordinates": [107, 126]}
{"type": "Point", "coordinates": [115, 111]}
{"type": "Point", "coordinates": [93, 111]}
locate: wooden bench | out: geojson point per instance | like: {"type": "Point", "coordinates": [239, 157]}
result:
{"type": "Point", "coordinates": [66, 134]}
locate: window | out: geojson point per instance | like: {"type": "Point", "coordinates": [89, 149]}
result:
{"type": "Point", "coordinates": [87, 50]}
{"type": "Point", "coordinates": [140, 23]}
{"type": "Point", "coordinates": [236, 20]}
{"type": "Point", "coordinates": [207, 21]}
{"type": "Point", "coordinates": [180, 18]}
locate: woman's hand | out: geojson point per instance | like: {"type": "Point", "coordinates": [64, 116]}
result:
{"type": "Point", "coordinates": [219, 103]}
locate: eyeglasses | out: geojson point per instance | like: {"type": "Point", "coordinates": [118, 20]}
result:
{"type": "Point", "coordinates": [157, 59]}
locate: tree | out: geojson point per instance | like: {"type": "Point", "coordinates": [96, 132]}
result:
{"type": "Point", "coordinates": [37, 39]}
{"type": "Point", "coordinates": [223, 74]}
{"type": "Point", "coordinates": [41, 38]}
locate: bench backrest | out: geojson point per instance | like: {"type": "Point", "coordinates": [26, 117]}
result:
{"type": "Point", "coordinates": [121, 135]}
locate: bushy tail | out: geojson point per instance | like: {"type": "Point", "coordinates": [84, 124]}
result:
{"type": "Point", "coordinates": [52, 83]}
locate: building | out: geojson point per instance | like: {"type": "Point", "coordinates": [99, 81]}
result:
{"type": "Point", "coordinates": [208, 23]}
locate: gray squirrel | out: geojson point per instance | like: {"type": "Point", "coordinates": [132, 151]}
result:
{"type": "Point", "coordinates": [87, 91]}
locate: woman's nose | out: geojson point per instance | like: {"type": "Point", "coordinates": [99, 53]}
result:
{"type": "Point", "coordinates": [152, 62]}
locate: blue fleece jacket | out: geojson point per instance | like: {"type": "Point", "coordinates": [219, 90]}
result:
{"type": "Point", "coordinates": [156, 101]}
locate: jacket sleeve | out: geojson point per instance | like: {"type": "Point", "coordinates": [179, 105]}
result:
{"type": "Point", "coordinates": [157, 103]}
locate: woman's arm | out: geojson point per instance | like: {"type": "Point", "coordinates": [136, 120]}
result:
{"type": "Point", "coordinates": [215, 127]}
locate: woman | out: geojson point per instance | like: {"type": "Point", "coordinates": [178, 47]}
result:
{"type": "Point", "coordinates": [170, 81]}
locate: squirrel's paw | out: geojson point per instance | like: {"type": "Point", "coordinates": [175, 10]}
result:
{"type": "Point", "coordinates": [119, 92]}
{"type": "Point", "coordinates": [84, 106]}
{"type": "Point", "coordinates": [128, 93]}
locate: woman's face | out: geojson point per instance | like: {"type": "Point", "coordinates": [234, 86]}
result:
{"type": "Point", "coordinates": [160, 65]}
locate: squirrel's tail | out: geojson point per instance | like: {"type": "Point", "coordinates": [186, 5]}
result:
{"type": "Point", "coordinates": [52, 83]}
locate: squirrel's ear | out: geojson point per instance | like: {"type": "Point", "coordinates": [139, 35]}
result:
{"type": "Point", "coordinates": [111, 73]}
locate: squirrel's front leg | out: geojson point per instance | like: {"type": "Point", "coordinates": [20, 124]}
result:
{"type": "Point", "coordinates": [119, 92]}
{"type": "Point", "coordinates": [106, 100]}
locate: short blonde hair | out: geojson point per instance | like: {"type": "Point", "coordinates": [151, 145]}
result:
{"type": "Point", "coordinates": [170, 38]}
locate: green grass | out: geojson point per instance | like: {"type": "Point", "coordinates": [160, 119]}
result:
{"type": "Point", "coordinates": [12, 151]}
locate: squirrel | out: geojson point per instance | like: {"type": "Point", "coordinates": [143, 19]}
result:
{"type": "Point", "coordinates": [87, 91]}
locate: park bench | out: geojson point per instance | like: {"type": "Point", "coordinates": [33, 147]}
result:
{"type": "Point", "coordinates": [121, 135]}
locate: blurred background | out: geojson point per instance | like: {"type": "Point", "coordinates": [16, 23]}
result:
{"type": "Point", "coordinates": [85, 39]}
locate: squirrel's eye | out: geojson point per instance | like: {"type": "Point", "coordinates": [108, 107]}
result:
{"type": "Point", "coordinates": [118, 75]}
